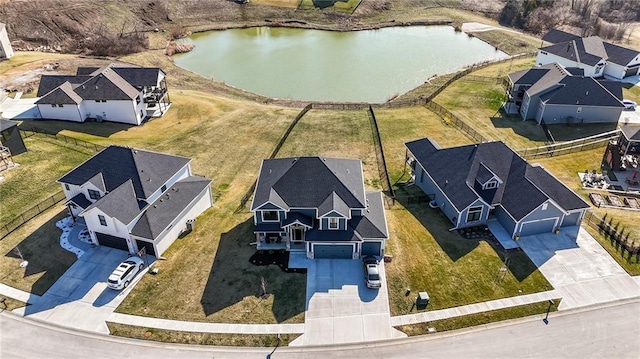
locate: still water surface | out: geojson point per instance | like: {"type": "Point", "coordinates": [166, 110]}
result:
{"type": "Point", "coordinates": [368, 66]}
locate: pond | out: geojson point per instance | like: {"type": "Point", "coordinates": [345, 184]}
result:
{"type": "Point", "coordinates": [314, 65]}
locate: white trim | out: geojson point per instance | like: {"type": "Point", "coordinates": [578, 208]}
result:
{"type": "Point", "coordinates": [337, 222]}
{"type": "Point", "coordinates": [555, 225]}
{"type": "Point", "coordinates": [270, 220]}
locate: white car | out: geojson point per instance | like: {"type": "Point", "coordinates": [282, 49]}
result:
{"type": "Point", "coordinates": [371, 272]}
{"type": "Point", "coordinates": [629, 105]}
{"type": "Point", "coordinates": [124, 273]}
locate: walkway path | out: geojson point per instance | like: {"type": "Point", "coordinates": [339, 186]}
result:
{"type": "Point", "coordinates": [480, 27]}
{"type": "Point", "coordinates": [503, 303]}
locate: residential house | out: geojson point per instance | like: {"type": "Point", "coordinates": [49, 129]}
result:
{"type": "Point", "coordinates": [6, 51]}
{"type": "Point", "coordinates": [476, 184]}
{"type": "Point", "coordinates": [10, 137]}
{"type": "Point", "coordinates": [132, 199]}
{"type": "Point", "coordinates": [595, 56]}
{"type": "Point", "coordinates": [554, 94]}
{"type": "Point", "coordinates": [318, 206]}
{"type": "Point", "coordinates": [118, 94]}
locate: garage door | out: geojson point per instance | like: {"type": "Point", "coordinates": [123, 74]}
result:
{"type": "Point", "coordinates": [147, 245]}
{"type": "Point", "coordinates": [371, 248]}
{"type": "Point", "coordinates": [538, 227]}
{"type": "Point", "coordinates": [631, 71]}
{"type": "Point", "coordinates": [571, 220]}
{"type": "Point", "coordinates": [112, 241]}
{"type": "Point", "coordinates": [332, 251]}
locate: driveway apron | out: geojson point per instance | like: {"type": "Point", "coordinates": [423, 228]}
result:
{"type": "Point", "coordinates": [579, 268]}
{"type": "Point", "coordinates": [340, 308]}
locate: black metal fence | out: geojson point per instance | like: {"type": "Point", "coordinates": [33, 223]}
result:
{"type": "Point", "coordinates": [450, 119]}
{"type": "Point", "coordinates": [35, 131]}
{"type": "Point", "coordinates": [382, 162]}
{"type": "Point", "coordinates": [612, 232]}
{"type": "Point", "coordinates": [30, 213]}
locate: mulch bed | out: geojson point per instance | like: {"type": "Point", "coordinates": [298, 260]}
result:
{"type": "Point", "coordinates": [278, 257]}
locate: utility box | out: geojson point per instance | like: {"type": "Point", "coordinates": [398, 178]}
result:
{"type": "Point", "coordinates": [422, 300]}
{"type": "Point", "coordinates": [191, 225]}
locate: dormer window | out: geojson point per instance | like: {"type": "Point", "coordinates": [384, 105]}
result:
{"type": "Point", "coordinates": [491, 185]}
{"type": "Point", "coordinates": [333, 223]}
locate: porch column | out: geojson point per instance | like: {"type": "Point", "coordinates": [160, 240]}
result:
{"type": "Point", "coordinates": [288, 240]}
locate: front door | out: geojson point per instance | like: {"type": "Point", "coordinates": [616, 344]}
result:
{"type": "Point", "coordinates": [298, 234]}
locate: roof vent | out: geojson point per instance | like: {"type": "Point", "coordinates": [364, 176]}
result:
{"type": "Point", "coordinates": [96, 87]}
{"type": "Point", "coordinates": [587, 93]}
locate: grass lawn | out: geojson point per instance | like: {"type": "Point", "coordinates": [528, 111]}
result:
{"type": "Point", "coordinates": [167, 336]}
{"type": "Point", "coordinates": [34, 178]}
{"type": "Point", "coordinates": [479, 319]}
{"type": "Point", "coordinates": [25, 57]}
{"type": "Point", "coordinates": [398, 126]}
{"type": "Point", "coordinates": [280, 3]}
{"type": "Point", "coordinates": [453, 270]}
{"type": "Point", "coordinates": [338, 5]}
{"type": "Point", "coordinates": [38, 242]}
{"type": "Point", "coordinates": [478, 104]}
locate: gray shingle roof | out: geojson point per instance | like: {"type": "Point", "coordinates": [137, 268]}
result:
{"type": "Point", "coordinates": [120, 203]}
{"type": "Point", "coordinates": [63, 94]}
{"type": "Point", "coordinates": [147, 170]}
{"type": "Point", "coordinates": [555, 189]}
{"type": "Point", "coordinates": [455, 171]}
{"type": "Point", "coordinates": [7, 124]}
{"type": "Point", "coordinates": [574, 51]}
{"type": "Point", "coordinates": [582, 91]}
{"type": "Point", "coordinates": [555, 36]}
{"type": "Point", "coordinates": [620, 55]}
{"type": "Point", "coordinates": [80, 200]}
{"type": "Point", "coordinates": [139, 76]}
{"type": "Point", "coordinates": [106, 86]}
{"type": "Point", "coordinates": [50, 82]}
{"type": "Point", "coordinates": [333, 203]}
{"type": "Point", "coordinates": [551, 78]}
{"type": "Point", "coordinates": [299, 217]}
{"type": "Point", "coordinates": [159, 215]}
{"type": "Point", "coordinates": [306, 182]}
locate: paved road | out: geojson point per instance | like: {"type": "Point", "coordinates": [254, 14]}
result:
{"type": "Point", "coordinates": [608, 331]}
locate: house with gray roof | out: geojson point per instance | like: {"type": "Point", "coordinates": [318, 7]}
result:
{"type": "Point", "coordinates": [488, 182]}
{"type": "Point", "coordinates": [318, 206]}
{"type": "Point", "coordinates": [111, 93]}
{"type": "Point", "coordinates": [132, 199]}
{"type": "Point", "coordinates": [595, 56]}
{"type": "Point", "coordinates": [6, 51]}
{"type": "Point", "coordinates": [555, 94]}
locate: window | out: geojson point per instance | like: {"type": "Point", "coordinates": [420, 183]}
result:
{"type": "Point", "coordinates": [66, 186]}
{"type": "Point", "coordinates": [491, 185]}
{"type": "Point", "coordinates": [333, 223]}
{"type": "Point", "coordinates": [544, 206]}
{"type": "Point", "coordinates": [544, 52]}
{"type": "Point", "coordinates": [101, 100]}
{"type": "Point", "coordinates": [60, 105]}
{"type": "Point", "coordinates": [94, 194]}
{"type": "Point", "coordinates": [138, 99]}
{"type": "Point", "coordinates": [270, 216]}
{"type": "Point", "coordinates": [579, 110]}
{"type": "Point", "coordinates": [102, 220]}
{"type": "Point", "coordinates": [53, 105]}
{"type": "Point", "coordinates": [164, 188]}
{"type": "Point", "coordinates": [474, 214]}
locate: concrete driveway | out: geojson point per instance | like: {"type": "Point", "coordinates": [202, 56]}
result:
{"type": "Point", "coordinates": [579, 268]}
{"type": "Point", "coordinates": [80, 298]}
{"type": "Point", "coordinates": [629, 117]}
{"type": "Point", "coordinates": [19, 108]}
{"type": "Point", "coordinates": [340, 307]}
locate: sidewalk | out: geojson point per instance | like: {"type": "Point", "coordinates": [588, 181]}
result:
{"type": "Point", "coordinates": [7, 291]}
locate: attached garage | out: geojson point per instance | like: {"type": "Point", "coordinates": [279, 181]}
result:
{"type": "Point", "coordinates": [112, 241]}
{"type": "Point", "coordinates": [572, 219]}
{"type": "Point", "coordinates": [148, 245]}
{"type": "Point", "coordinates": [632, 71]}
{"type": "Point", "coordinates": [371, 248]}
{"type": "Point", "coordinates": [332, 251]}
{"type": "Point", "coordinates": [538, 226]}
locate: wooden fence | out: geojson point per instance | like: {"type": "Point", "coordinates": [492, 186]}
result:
{"type": "Point", "coordinates": [450, 119]}
{"type": "Point", "coordinates": [382, 162]}
{"type": "Point", "coordinates": [30, 213]}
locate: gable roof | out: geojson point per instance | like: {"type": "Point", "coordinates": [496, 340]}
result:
{"type": "Point", "coordinates": [524, 188]}
{"type": "Point", "coordinates": [306, 182]}
{"type": "Point", "coordinates": [120, 203]}
{"type": "Point", "coordinates": [50, 82]}
{"type": "Point", "coordinates": [107, 85]}
{"type": "Point", "coordinates": [555, 36]}
{"type": "Point", "coordinates": [587, 50]}
{"type": "Point", "coordinates": [147, 170]}
{"type": "Point", "coordinates": [161, 213]}
{"type": "Point", "coordinates": [620, 55]}
{"type": "Point", "coordinates": [63, 94]}
{"type": "Point", "coordinates": [631, 132]}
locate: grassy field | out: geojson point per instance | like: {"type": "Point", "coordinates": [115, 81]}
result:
{"type": "Point", "coordinates": [466, 321]}
{"type": "Point", "coordinates": [38, 242]}
{"type": "Point", "coordinates": [167, 336]}
{"type": "Point", "coordinates": [35, 177]}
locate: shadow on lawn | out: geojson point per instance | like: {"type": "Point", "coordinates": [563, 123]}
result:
{"type": "Point", "coordinates": [44, 254]}
{"type": "Point", "coordinates": [103, 129]}
{"type": "Point", "coordinates": [438, 225]}
{"type": "Point", "coordinates": [526, 129]}
{"type": "Point", "coordinates": [233, 278]}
